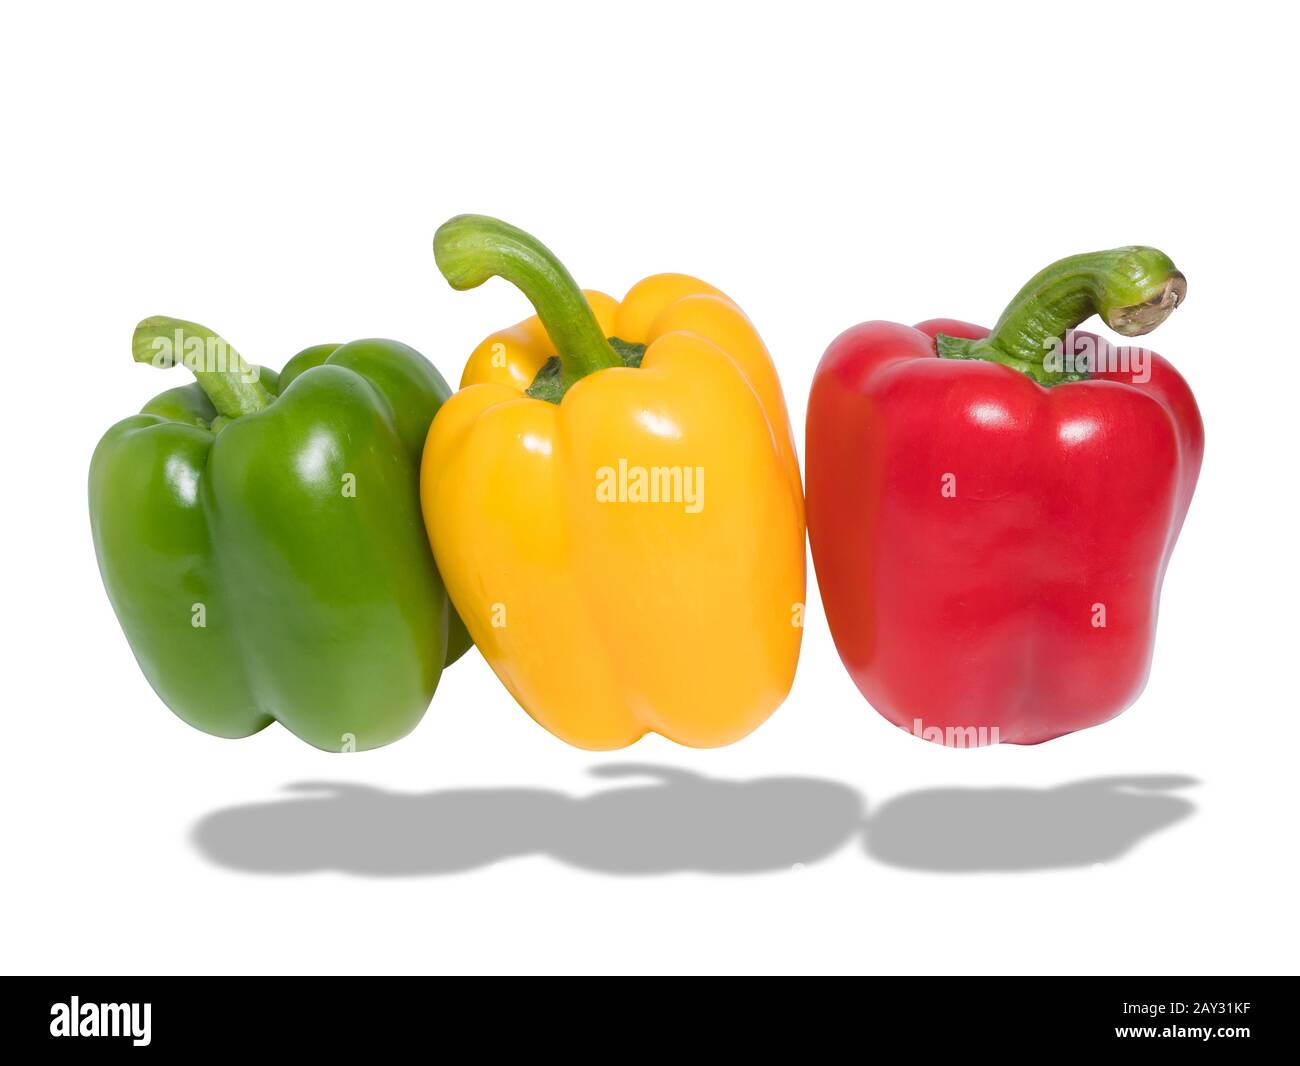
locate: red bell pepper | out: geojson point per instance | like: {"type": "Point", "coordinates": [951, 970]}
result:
{"type": "Point", "coordinates": [991, 513]}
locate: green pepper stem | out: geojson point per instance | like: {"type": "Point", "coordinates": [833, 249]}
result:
{"type": "Point", "coordinates": [469, 249]}
{"type": "Point", "coordinates": [230, 383]}
{"type": "Point", "coordinates": [1134, 289]}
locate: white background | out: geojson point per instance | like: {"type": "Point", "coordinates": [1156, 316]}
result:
{"type": "Point", "coordinates": [278, 172]}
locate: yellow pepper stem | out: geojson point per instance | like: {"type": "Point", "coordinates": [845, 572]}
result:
{"type": "Point", "coordinates": [469, 249]}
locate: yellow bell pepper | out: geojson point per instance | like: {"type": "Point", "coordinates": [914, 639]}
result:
{"type": "Point", "coordinates": [614, 503]}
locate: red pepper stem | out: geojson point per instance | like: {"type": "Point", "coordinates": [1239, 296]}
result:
{"type": "Point", "coordinates": [231, 384]}
{"type": "Point", "coordinates": [469, 249]}
{"type": "Point", "coordinates": [1134, 289]}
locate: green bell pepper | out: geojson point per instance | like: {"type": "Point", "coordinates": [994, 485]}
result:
{"type": "Point", "coordinates": [261, 541]}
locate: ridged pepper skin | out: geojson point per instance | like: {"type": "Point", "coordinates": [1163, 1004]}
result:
{"type": "Point", "coordinates": [990, 537]}
{"type": "Point", "coordinates": [609, 618]}
{"type": "Point", "coordinates": [271, 565]}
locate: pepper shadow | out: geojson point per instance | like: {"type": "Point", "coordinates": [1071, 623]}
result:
{"type": "Point", "coordinates": [974, 830]}
{"type": "Point", "coordinates": [673, 820]}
